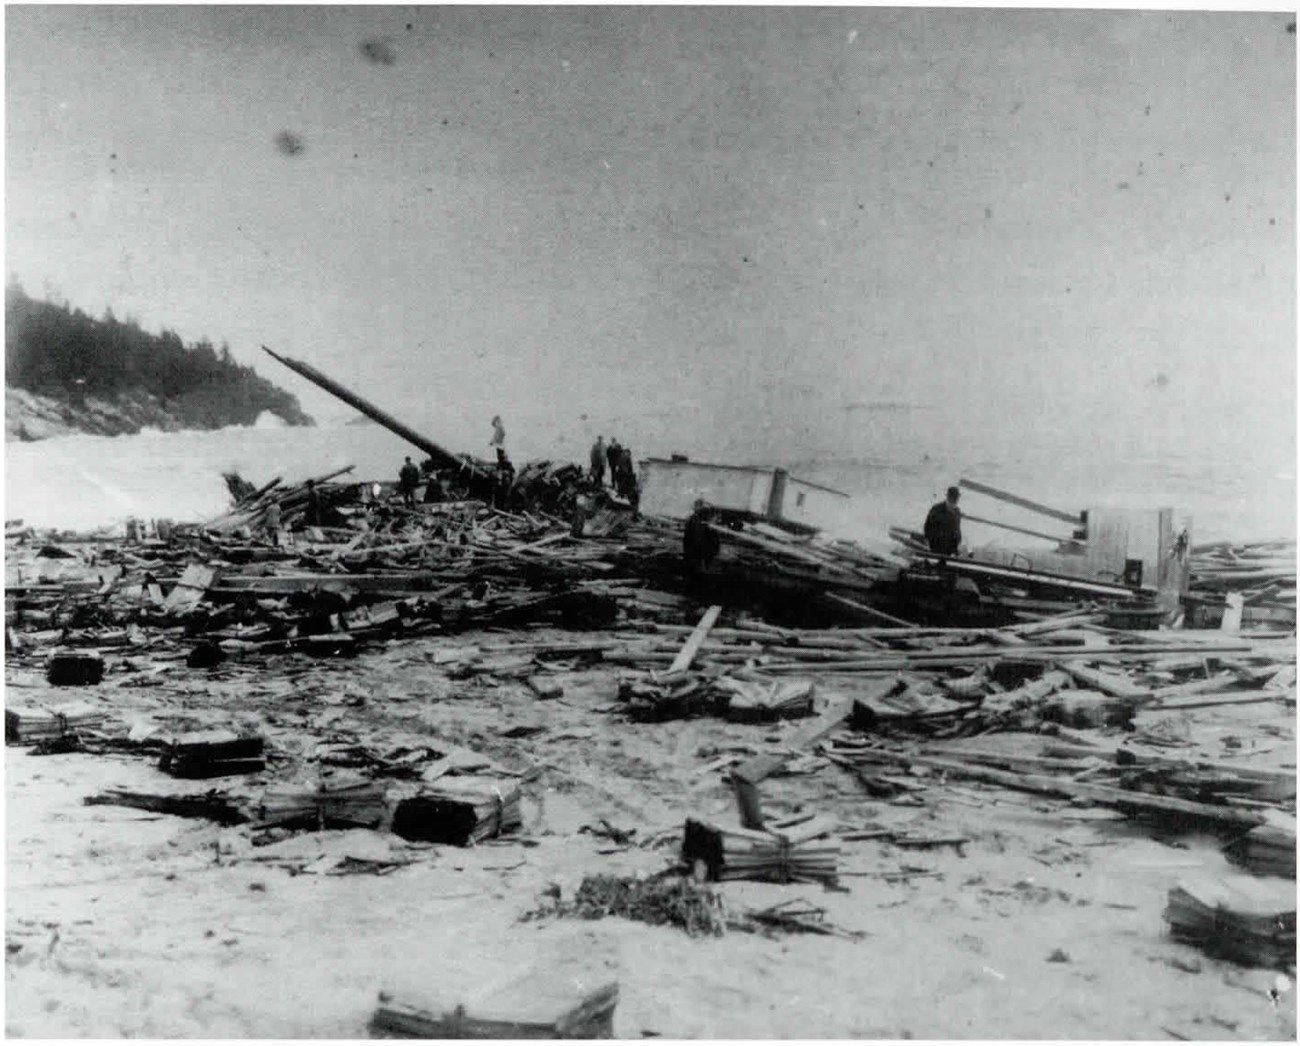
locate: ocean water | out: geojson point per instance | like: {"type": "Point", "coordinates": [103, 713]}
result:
{"type": "Point", "coordinates": [894, 459]}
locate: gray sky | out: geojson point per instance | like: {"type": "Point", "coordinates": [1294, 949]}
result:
{"type": "Point", "coordinates": [710, 206]}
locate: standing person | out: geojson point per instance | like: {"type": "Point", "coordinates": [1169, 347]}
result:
{"type": "Point", "coordinates": [498, 441]}
{"type": "Point", "coordinates": [273, 521]}
{"type": "Point", "coordinates": [408, 478]}
{"type": "Point", "coordinates": [312, 514]}
{"type": "Point", "coordinates": [943, 525]}
{"type": "Point", "coordinates": [700, 544]}
{"type": "Point", "coordinates": [613, 455]}
{"type": "Point", "coordinates": [627, 475]}
{"type": "Point", "coordinates": [598, 461]}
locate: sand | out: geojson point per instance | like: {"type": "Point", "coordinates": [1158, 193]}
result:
{"type": "Point", "coordinates": [1046, 924]}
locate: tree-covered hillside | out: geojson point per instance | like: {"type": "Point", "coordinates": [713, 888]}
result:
{"type": "Point", "coordinates": [55, 351]}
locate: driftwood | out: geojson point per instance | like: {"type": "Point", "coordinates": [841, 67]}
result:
{"type": "Point", "coordinates": [1103, 795]}
{"type": "Point", "coordinates": [212, 806]}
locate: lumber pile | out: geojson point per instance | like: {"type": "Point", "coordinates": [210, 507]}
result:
{"type": "Point", "coordinates": [460, 811]}
{"type": "Point", "coordinates": [795, 850]}
{"type": "Point", "coordinates": [335, 801]}
{"type": "Point", "coordinates": [1249, 921]}
{"type": "Point", "coordinates": [1169, 790]}
{"type": "Point", "coordinates": [1235, 584]}
{"type": "Point", "coordinates": [30, 725]}
{"type": "Point", "coordinates": [1269, 848]}
{"type": "Point", "coordinates": [251, 504]}
{"type": "Point", "coordinates": [213, 753]}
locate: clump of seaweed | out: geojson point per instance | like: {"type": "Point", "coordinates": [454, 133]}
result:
{"type": "Point", "coordinates": [659, 901]}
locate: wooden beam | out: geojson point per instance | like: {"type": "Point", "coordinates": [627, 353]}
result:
{"type": "Point", "coordinates": [746, 777]}
{"type": "Point", "coordinates": [1232, 614]}
{"type": "Point", "coordinates": [1018, 530]}
{"type": "Point", "coordinates": [1102, 795]}
{"type": "Point", "coordinates": [870, 612]}
{"type": "Point", "coordinates": [687, 654]}
{"type": "Point", "coordinates": [1107, 682]}
{"type": "Point", "coordinates": [1013, 499]}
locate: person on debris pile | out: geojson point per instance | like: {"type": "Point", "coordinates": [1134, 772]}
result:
{"type": "Point", "coordinates": [943, 525]}
{"type": "Point", "coordinates": [312, 514]}
{"type": "Point", "coordinates": [408, 478]}
{"type": "Point", "coordinates": [625, 482]}
{"type": "Point", "coordinates": [699, 543]}
{"type": "Point", "coordinates": [273, 522]}
{"type": "Point", "coordinates": [613, 455]}
{"type": "Point", "coordinates": [598, 461]}
{"type": "Point", "coordinates": [498, 441]}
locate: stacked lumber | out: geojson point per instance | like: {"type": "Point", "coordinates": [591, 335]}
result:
{"type": "Point", "coordinates": [460, 811]}
{"type": "Point", "coordinates": [336, 801]}
{"type": "Point", "coordinates": [1251, 583]}
{"type": "Point", "coordinates": [545, 1004]}
{"type": "Point", "coordinates": [1248, 921]}
{"type": "Point", "coordinates": [1269, 848]}
{"type": "Point", "coordinates": [795, 850]}
{"type": "Point", "coordinates": [31, 725]}
{"type": "Point", "coordinates": [1226, 567]}
{"type": "Point", "coordinates": [213, 753]}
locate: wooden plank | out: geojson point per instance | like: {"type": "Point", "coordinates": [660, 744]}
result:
{"type": "Point", "coordinates": [1235, 603]}
{"type": "Point", "coordinates": [192, 587]}
{"type": "Point", "coordinates": [1103, 795]}
{"type": "Point", "coordinates": [966, 516]}
{"type": "Point", "coordinates": [1106, 682]}
{"type": "Point", "coordinates": [683, 660]}
{"type": "Point", "coordinates": [1252, 697]}
{"type": "Point", "coordinates": [746, 777]}
{"type": "Point", "coordinates": [1013, 499]}
{"type": "Point", "coordinates": [871, 612]}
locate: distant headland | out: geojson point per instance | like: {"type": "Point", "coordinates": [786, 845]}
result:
{"type": "Point", "coordinates": [66, 372]}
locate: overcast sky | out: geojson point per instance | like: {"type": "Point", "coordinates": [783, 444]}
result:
{"type": "Point", "coordinates": [677, 204]}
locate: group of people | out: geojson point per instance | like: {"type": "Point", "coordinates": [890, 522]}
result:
{"type": "Point", "coordinates": [618, 460]}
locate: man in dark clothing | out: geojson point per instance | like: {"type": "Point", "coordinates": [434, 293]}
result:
{"type": "Point", "coordinates": [943, 525]}
{"type": "Point", "coordinates": [627, 480]}
{"type": "Point", "coordinates": [408, 478]}
{"type": "Point", "coordinates": [613, 454]}
{"type": "Point", "coordinates": [699, 543]}
{"type": "Point", "coordinates": [598, 461]}
{"type": "Point", "coordinates": [618, 472]}
{"type": "Point", "coordinates": [312, 514]}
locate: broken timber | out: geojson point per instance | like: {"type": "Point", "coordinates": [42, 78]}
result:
{"type": "Point", "coordinates": [1033, 506]}
{"type": "Point", "coordinates": [442, 458]}
{"type": "Point", "coordinates": [683, 660]}
{"type": "Point", "coordinates": [746, 777]}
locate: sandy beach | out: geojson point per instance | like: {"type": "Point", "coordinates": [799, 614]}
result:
{"type": "Point", "coordinates": [1046, 923]}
